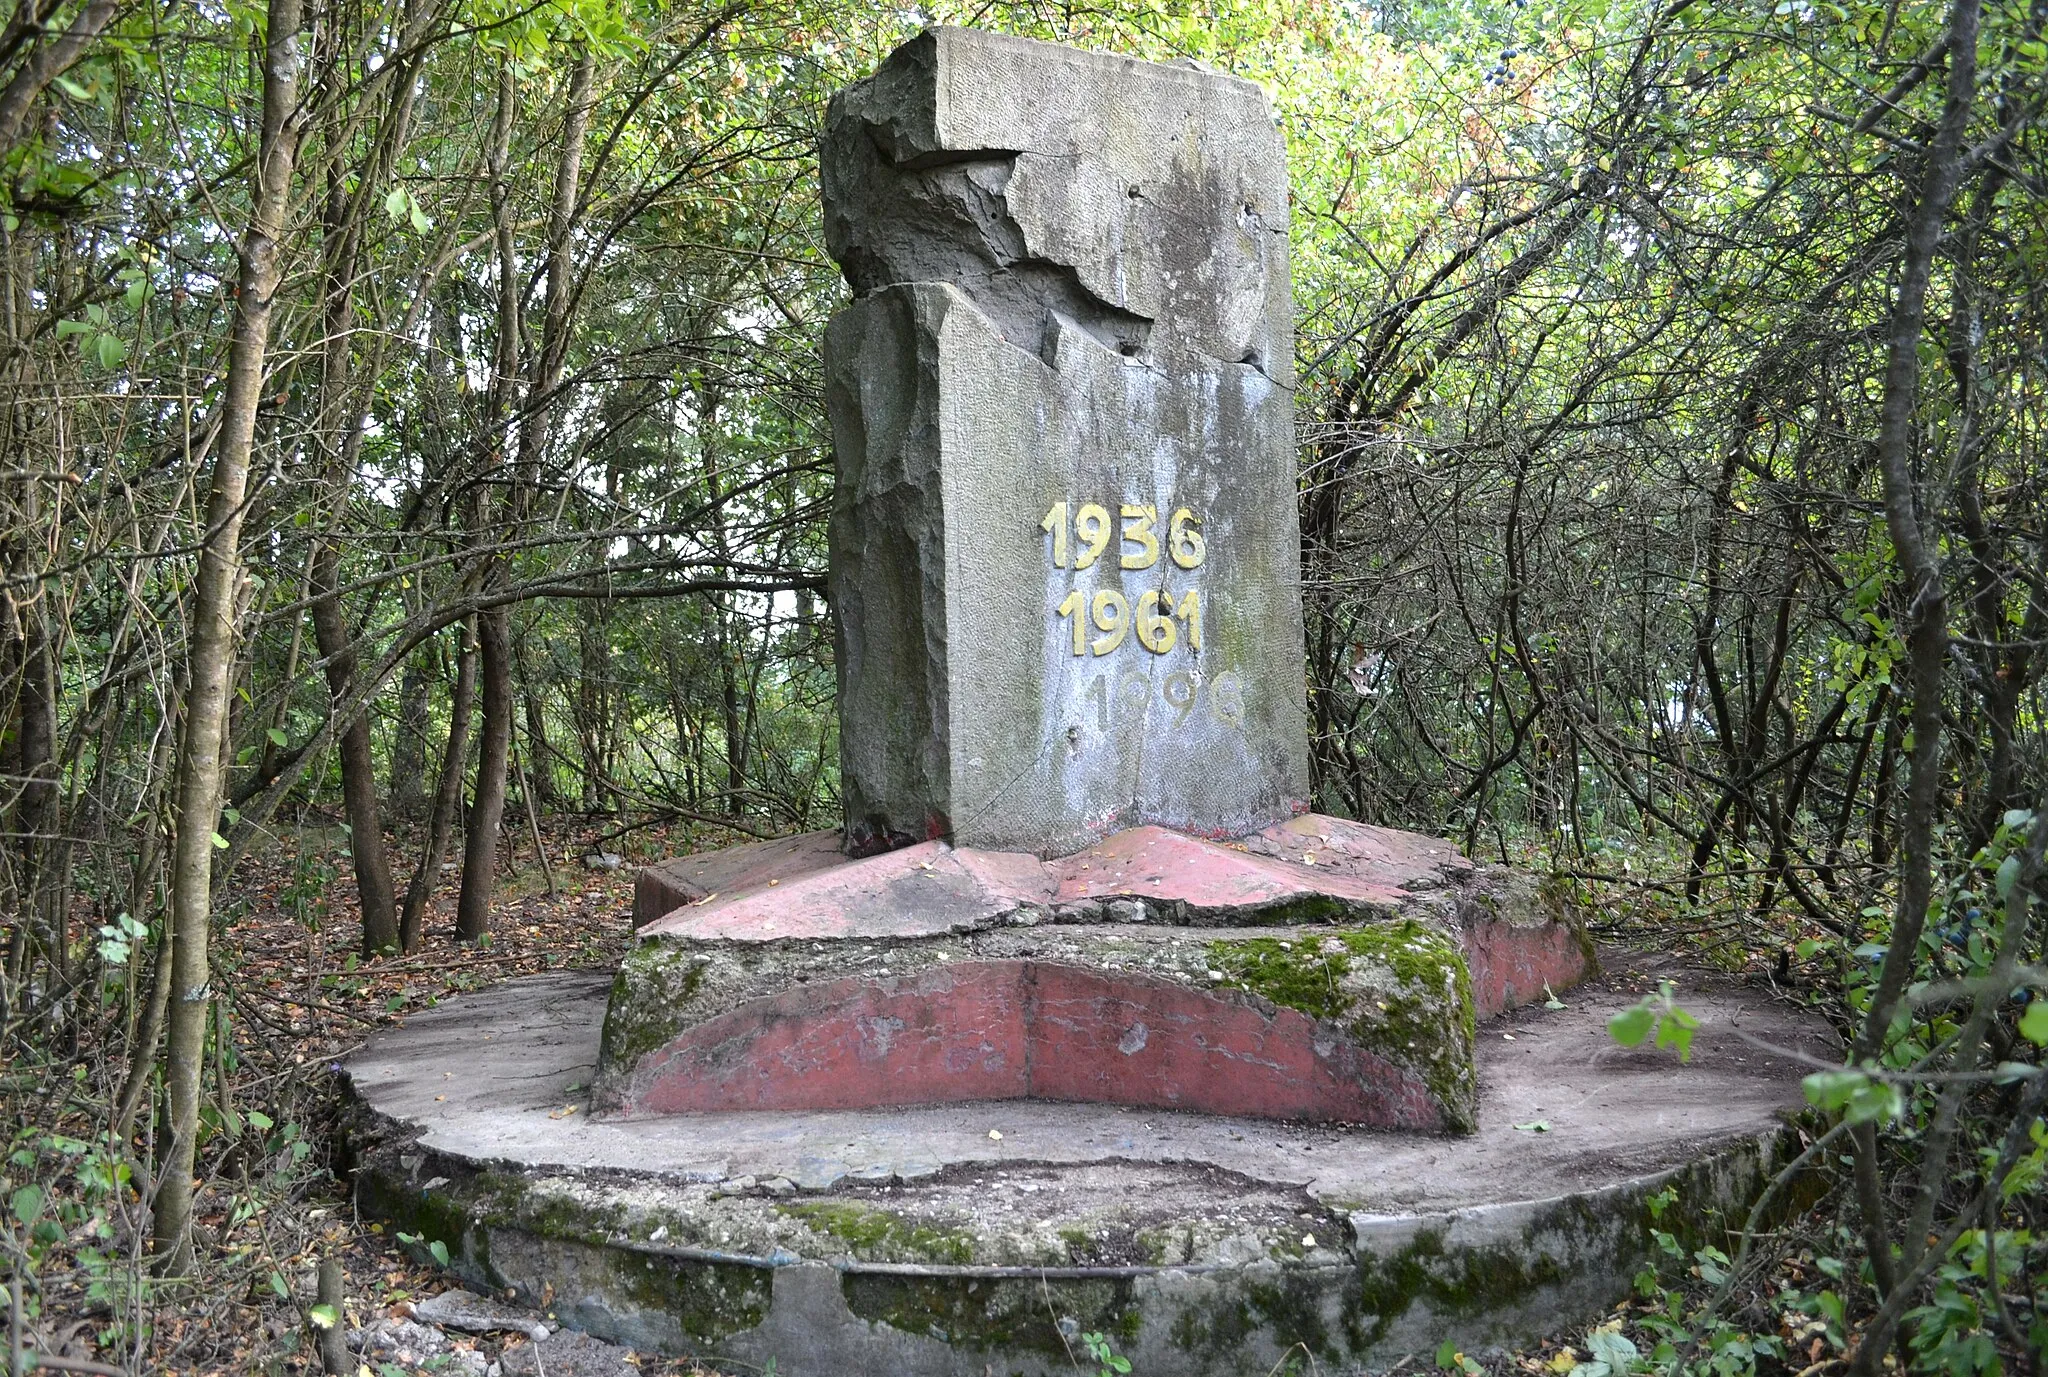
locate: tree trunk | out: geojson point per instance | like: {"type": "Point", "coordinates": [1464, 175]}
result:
{"type": "Point", "coordinates": [487, 805]}
{"type": "Point", "coordinates": [479, 874]}
{"type": "Point", "coordinates": [447, 795]}
{"type": "Point", "coordinates": [480, 840]}
{"type": "Point", "coordinates": [406, 792]}
{"type": "Point", "coordinates": [1926, 635]}
{"type": "Point", "coordinates": [540, 773]}
{"type": "Point", "coordinates": [358, 765]}
{"type": "Point", "coordinates": [210, 655]}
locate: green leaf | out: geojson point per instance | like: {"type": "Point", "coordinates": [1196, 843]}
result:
{"type": "Point", "coordinates": [396, 203]}
{"type": "Point", "coordinates": [324, 1316]}
{"type": "Point", "coordinates": [111, 350]}
{"type": "Point", "coordinates": [220, 843]}
{"type": "Point", "coordinates": [1447, 1356]}
{"type": "Point", "coordinates": [2034, 1022]}
{"type": "Point", "coordinates": [440, 1251]}
{"type": "Point", "coordinates": [420, 223]}
{"type": "Point", "coordinates": [1615, 1350]}
{"type": "Point", "coordinates": [1675, 1031]}
{"type": "Point", "coordinates": [277, 1284]}
{"type": "Point", "coordinates": [1534, 1126]}
{"type": "Point", "coordinates": [277, 737]}
{"type": "Point", "coordinates": [27, 1204]}
{"type": "Point", "coordinates": [258, 1119]}
{"type": "Point", "coordinates": [1876, 1102]}
{"type": "Point", "coordinates": [1830, 1090]}
{"type": "Point", "coordinates": [2008, 876]}
{"type": "Point", "coordinates": [1631, 1026]}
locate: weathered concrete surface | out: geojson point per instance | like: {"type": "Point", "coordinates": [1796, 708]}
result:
{"type": "Point", "coordinates": [801, 887]}
{"type": "Point", "coordinates": [1317, 969]}
{"type": "Point", "coordinates": [1116, 1015]}
{"type": "Point", "coordinates": [1070, 353]}
{"type": "Point", "coordinates": [1519, 939]}
{"type": "Point", "coordinates": [913, 1241]}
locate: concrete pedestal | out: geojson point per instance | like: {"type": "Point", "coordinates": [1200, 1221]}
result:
{"type": "Point", "coordinates": [970, 1238]}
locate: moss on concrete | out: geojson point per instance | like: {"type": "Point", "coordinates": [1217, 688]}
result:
{"type": "Point", "coordinates": [1398, 989]}
{"type": "Point", "coordinates": [875, 1235]}
{"type": "Point", "coordinates": [648, 1004]}
{"type": "Point", "coordinates": [997, 1314]}
{"type": "Point", "coordinates": [709, 1301]}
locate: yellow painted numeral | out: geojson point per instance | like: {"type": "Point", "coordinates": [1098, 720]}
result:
{"type": "Point", "coordinates": [1092, 525]}
{"type": "Point", "coordinates": [1073, 607]}
{"type": "Point", "coordinates": [1155, 632]}
{"type": "Point", "coordinates": [1112, 616]}
{"type": "Point", "coordinates": [1190, 614]}
{"type": "Point", "coordinates": [1056, 524]}
{"type": "Point", "coordinates": [1139, 535]}
{"type": "Point", "coordinates": [1184, 539]}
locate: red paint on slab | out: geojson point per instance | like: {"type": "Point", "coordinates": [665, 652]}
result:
{"type": "Point", "coordinates": [1512, 965]}
{"type": "Point", "coordinates": [662, 888]}
{"type": "Point", "coordinates": [953, 1034]}
{"type": "Point", "coordinates": [1023, 1029]}
{"type": "Point", "coordinates": [1142, 1041]}
{"type": "Point", "coordinates": [804, 888]}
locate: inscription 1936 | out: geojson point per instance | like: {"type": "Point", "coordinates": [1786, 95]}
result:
{"type": "Point", "coordinates": [1160, 620]}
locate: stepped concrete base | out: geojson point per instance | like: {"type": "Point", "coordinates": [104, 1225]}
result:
{"type": "Point", "coordinates": [984, 1237]}
{"type": "Point", "coordinates": [1316, 969]}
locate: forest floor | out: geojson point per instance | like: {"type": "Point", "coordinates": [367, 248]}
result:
{"type": "Point", "coordinates": [274, 1204]}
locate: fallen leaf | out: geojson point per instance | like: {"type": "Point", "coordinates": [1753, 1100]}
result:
{"type": "Point", "coordinates": [564, 1112]}
{"type": "Point", "coordinates": [1534, 1126]}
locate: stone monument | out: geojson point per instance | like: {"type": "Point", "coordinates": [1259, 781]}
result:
{"type": "Point", "coordinates": [1065, 557]}
{"type": "Point", "coordinates": [1077, 861]}
{"type": "Point", "coordinates": [1082, 1023]}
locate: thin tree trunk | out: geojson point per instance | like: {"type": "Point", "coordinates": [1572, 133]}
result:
{"type": "Point", "coordinates": [479, 861]}
{"type": "Point", "coordinates": [358, 765]}
{"type": "Point", "coordinates": [1927, 597]}
{"type": "Point", "coordinates": [404, 791]}
{"type": "Point", "coordinates": [487, 809]}
{"type": "Point", "coordinates": [447, 795]}
{"type": "Point", "coordinates": [487, 804]}
{"type": "Point", "coordinates": [1926, 619]}
{"type": "Point", "coordinates": [202, 758]}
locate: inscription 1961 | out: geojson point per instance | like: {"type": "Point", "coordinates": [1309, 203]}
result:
{"type": "Point", "coordinates": [1160, 620]}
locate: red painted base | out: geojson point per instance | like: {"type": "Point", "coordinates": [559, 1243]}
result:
{"type": "Point", "coordinates": [1007, 1030]}
{"type": "Point", "coordinates": [1010, 1024]}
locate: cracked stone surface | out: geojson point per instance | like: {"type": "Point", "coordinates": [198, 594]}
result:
{"type": "Point", "coordinates": [1071, 324]}
{"type": "Point", "coordinates": [1318, 969]}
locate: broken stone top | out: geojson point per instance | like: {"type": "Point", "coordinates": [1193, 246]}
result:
{"type": "Point", "coordinates": [1144, 203]}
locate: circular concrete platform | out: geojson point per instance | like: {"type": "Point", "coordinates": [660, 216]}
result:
{"type": "Point", "coordinates": [985, 1238]}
